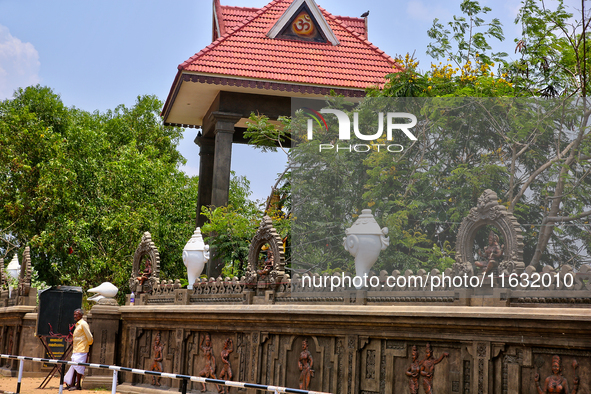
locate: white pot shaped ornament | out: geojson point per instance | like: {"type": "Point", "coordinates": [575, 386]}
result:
{"type": "Point", "coordinates": [364, 241]}
{"type": "Point", "coordinates": [106, 293]}
{"type": "Point", "coordinates": [106, 289]}
{"type": "Point", "coordinates": [195, 255]}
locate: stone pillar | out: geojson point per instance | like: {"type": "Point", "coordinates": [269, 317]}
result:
{"type": "Point", "coordinates": [220, 188]}
{"type": "Point", "coordinates": [224, 135]}
{"type": "Point", "coordinates": [481, 353]}
{"type": "Point", "coordinates": [206, 160]}
{"type": "Point", "coordinates": [104, 321]}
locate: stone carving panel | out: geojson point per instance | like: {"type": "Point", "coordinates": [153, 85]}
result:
{"type": "Point", "coordinates": [146, 267]}
{"type": "Point", "coordinates": [306, 352]}
{"type": "Point", "coordinates": [558, 369]}
{"type": "Point", "coordinates": [207, 353]}
{"type": "Point", "coordinates": [271, 275]}
{"type": "Point", "coordinates": [488, 211]}
{"type": "Point", "coordinates": [371, 356]}
{"type": "Point", "coordinates": [24, 280]}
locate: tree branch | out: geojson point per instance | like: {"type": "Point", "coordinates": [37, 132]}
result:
{"type": "Point", "coordinates": [563, 219]}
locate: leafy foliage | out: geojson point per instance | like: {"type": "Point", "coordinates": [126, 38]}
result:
{"type": "Point", "coordinates": [80, 188]}
{"type": "Point", "coordinates": [231, 228]}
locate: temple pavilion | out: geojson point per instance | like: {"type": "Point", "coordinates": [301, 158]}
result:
{"type": "Point", "coordinates": [258, 60]}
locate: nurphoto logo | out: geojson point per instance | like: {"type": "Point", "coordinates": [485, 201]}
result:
{"type": "Point", "coordinates": [345, 129]}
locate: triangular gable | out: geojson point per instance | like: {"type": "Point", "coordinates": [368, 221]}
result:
{"type": "Point", "coordinates": [303, 21]}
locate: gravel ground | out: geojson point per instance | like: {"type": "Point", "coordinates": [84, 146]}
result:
{"type": "Point", "coordinates": [30, 386]}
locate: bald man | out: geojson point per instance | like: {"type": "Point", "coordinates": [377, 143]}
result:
{"type": "Point", "coordinates": [82, 339]}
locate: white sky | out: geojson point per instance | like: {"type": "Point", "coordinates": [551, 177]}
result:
{"type": "Point", "coordinates": [99, 54]}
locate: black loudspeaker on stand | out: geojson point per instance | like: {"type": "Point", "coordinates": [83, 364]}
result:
{"type": "Point", "coordinates": [56, 316]}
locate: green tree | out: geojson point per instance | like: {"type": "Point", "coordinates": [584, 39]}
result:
{"type": "Point", "coordinates": [231, 228]}
{"type": "Point", "coordinates": [554, 52]}
{"type": "Point", "coordinates": [534, 154]}
{"type": "Point", "coordinates": [80, 188]}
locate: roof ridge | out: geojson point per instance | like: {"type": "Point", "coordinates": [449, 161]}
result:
{"type": "Point", "coordinates": [227, 34]}
{"type": "Point", "coordinates": [240, 8]}
{"type": "Point", "coordinates": [358, 36]}
{"type": "Point", "coordinates": [347, 17]}
{"type": "Point", "coordinates": [217, 7]}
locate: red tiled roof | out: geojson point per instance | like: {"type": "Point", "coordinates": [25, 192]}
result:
{"type": "Point", "coordinates": [355, 24]}
{"type": "Point", "coordinates": [235, 16]}
{"type": "Point", "coordinates": [246, 51]}
{"type": "Point", "coordinates": [231, 17]}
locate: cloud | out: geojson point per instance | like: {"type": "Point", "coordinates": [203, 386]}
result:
{"type": "Point", "coordinates": [417, 10]}
{"type": "Point", "coordinates": [19, 64]}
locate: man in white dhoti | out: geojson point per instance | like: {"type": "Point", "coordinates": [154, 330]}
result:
{"type": "Point", "coordinates": [82, 339]}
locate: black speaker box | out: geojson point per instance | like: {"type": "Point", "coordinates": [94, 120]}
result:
{"type": "Point", "coordinates": [56, 309]}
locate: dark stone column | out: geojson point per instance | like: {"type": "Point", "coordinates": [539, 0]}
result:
{"type": "Point", "coordinates": [104, 320]}
{"type": "Point", "coordinates": [206, 160]}
{"type": "Point", "coordinates": [224, 135]}
{"type": "Point", "coordinates": [220, 185]}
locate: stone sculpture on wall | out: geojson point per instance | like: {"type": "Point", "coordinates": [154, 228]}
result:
{"type": "Point", "coordinates": [24, 280]}
{"type": "Point", "coordinates": [209, 370]}
{"type": "Point", "coordinates": [305, 364]}
{"type": "Point", "coordinates": [146, 273]}
{"type": "Point", "coordinates": [414, 372]}
{"type": "Point", "coordinates": [488, 211]}
{"type": "Point", "coordinates": [226, 373]}
{"type": "Point", "coordinates": [490, 255]}
{"type": "Point", "coordinates": [272, 274]}
{"type": "Point", "coordinates": [157, 365]}
{"type": "Point", "coordinates": [556, 383]}
{"type": "Point", "coordinates": [428, 369]}
{"type": "Point", "coordinates": [146, 266]}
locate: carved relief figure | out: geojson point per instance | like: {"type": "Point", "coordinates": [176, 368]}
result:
{"type": "Point", "coordinates": [428, 369]}
{"type": "Point", "coordinates": [157, 365]}
{"type": "Point", "coordinates": [209, 370]}
{"type": "Point", "coordinates": [226, 373]}
{"type": "Point", "coordinates": [413, 372]}
{"type": "Point", "coordinates": [145, 273]}
{"type": "Point", "coordinates": [556, 383]}
{"type": "Point", "coordinates": [491, 254]}
{"type": "Point", "coordinates": [267, 264]}
{"type": "Point", "coordinates": [305, 364]}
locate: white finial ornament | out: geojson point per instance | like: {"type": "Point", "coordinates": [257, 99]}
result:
{"type": "Point", "coordinates": [195, 255]}
{"type": "Point", "coordinates": [364, 241]}
{"type": "Point", "coordinates": [14, 268]}
{"type": "Point", "coordinates": [106, 293]}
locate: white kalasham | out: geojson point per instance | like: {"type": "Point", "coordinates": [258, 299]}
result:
{"type": "Point", "coordinates": [195, 255]}
{"type": "Point", "coordinates": [14, 268]}
{"type": "Point", "coordinates": [105, 290]}
{"type": "Point", "coordinates": [365, 240]}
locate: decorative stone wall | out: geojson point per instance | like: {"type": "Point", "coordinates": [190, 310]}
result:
{"type": "Point", "coordinates": [364, 349]}
{"type": "Point", "coordinates": [17, 336]}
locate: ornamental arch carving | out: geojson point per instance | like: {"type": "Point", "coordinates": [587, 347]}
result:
{"type": "Point", "coordinates": [146, 250]}
{"type": "Point", "coordinates": [24, 280]}
{"type": "Point", "coordinates": [272, 275]}
{"type": "Point", "coordinates": [488, 211]}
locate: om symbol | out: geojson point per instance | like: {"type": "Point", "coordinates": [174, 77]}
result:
{"type": "Point", "coordinates": [302, 25]}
